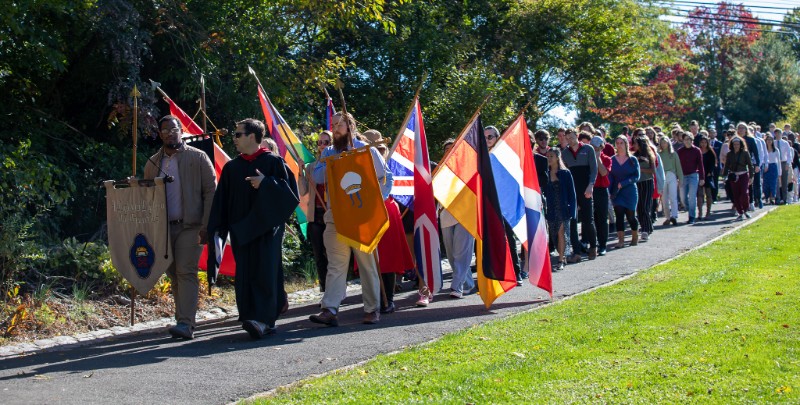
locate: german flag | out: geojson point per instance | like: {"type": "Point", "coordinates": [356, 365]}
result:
{"type": "Point", "coordinates": [465, 187]}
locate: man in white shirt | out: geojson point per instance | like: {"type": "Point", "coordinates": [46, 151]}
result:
{"type": "Point", "coordinates": [762, 153]}
{"type": "Point", "coordinates": [786, 152]}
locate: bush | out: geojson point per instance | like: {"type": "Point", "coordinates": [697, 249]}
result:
{"type": "Point", "coordinates": [33, 189]}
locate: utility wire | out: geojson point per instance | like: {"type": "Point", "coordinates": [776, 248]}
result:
{"type": "Point", "coordinates": [711, 5]}
{"type": "Point", "coordinates": [747, 20]}
{"type": "Point", "coordinates": [740, 29]}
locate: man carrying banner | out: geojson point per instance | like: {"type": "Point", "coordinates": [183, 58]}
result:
{"type": "Point", "coordinates": [189, 199]}
{"type": "Point", "coordinates": [256, 195]}
{"type": "Point", "coordinates": [339, 252]}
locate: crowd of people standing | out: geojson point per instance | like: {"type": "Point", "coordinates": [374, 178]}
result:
{"type": "Point", "coordinates": [602, 182]}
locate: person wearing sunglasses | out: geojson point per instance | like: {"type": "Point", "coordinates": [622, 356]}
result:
{"type": "Point", "coordinates": [256, 195]}
{"type": "Point", "coordinates": [189, 199]}
{"type": "Point", "coordinates": [315, 210]}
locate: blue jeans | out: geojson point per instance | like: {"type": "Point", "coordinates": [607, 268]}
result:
{"type": "Point", "coordinates": [689, 192]}
{"type": "Point", "coordinates": [458, 244]}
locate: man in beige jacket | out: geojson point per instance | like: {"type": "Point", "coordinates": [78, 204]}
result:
{"type": "Point", "coordinates": [189, 199]}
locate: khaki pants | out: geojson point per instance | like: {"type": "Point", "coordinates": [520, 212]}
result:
{"type": "Point", "coordinates": [338, 262]}
{"type": "Point", "coordinates": [183, 272]}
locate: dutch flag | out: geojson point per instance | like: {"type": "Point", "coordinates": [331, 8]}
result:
{"type": "Point", "coordinates": [521, 200]}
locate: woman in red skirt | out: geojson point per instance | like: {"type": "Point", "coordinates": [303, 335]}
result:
{"type": "Point", "coordinates": [739, 172]}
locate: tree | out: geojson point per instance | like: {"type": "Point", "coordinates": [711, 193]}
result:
{"type": "Point", "coordinates": [792, 112]}
{"type": "Point", "coordinates": [715, 39]}
{"type": "Point", "coordinates": [763, 82]}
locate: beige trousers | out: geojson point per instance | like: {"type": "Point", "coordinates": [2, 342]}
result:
{"type": "Point", "coordinates": [183, 272]}
{"type": "Point", "coordinates": [338, 262]}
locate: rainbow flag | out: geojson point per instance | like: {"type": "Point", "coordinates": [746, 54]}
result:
{"type": "Point", "coordinates": [279, 130]}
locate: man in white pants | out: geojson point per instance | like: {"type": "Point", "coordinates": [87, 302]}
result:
{"type": "Point", "coordinates": [459, 244]}
{"type": "Point", "coordinates": [338, 252]}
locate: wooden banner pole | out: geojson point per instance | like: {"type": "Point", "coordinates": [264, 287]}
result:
{"type": "Point", "coordinates": [134, 132]}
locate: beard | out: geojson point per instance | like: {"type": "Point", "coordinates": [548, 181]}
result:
{"type": "Point", "coordinates": [341, 142]}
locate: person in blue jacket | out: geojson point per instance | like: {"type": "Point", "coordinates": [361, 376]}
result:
{"type": "Point", "coordinates": [560, 198]}
{"type": "Point", "coordinates": [624, 196]}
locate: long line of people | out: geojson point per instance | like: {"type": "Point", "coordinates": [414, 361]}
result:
{"type": "Point", "coordinates": [592, 184]}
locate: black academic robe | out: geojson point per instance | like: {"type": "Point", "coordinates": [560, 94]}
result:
{"type": "Point", "coordinates": [255, 219]}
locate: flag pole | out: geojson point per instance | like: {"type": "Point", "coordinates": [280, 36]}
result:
{"type": "Point", "coordinates": [460, 136]}
{"type": "Point", "coordinates": [408, 115]}
{"type": "Point", "coordinates": [340, 85]}
{"type": "Point", "coordinates": [289, 141]}
{"type": "Point", "coordinates": [512, 122]}
{"type": "Point", "coordinates": [134, 132]}
{"type": "Point", "coordinates": [203, 100]}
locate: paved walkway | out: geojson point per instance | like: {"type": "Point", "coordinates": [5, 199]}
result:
{"type": "Point", "coordinates": [222, 364]}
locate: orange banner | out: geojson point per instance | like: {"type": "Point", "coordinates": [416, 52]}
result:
{"type": "Point", "coordinates": [356, 200]}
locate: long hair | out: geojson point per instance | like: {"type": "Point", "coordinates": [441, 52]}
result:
{"type": "Point", "coordinates": [770, 144]}
{"type": "Point", "coordinates": [625, 141]}
{"type": "Point", "coordinates": [699, 139]}
{"type": "Point", "coordinates": [557, 152]}
{"type": "Point", "coordinates": [644, 151]}
{"type": "Point", "coordinates": [669, 144]}
{"type": "Point", "coordinates": [351, 129]}
{"type": "Point", "coordinates": [741, 142]}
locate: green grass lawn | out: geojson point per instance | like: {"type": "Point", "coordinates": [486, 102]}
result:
{"type": "Point", "coordinates": [719, 325]}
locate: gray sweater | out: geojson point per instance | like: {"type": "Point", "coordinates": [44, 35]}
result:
{"type": "Point", "coordinates": [583, 166]}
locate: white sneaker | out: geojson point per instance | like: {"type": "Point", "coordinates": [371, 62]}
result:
{"type": "Point", "coordinates": [752, 207]}
{"type": "Point", "coordinates": [739, 218]}
{"type": "Point", "coordinates": [455, 294]}
{"type": "Point", "coordinates": [423, 301]}
{"type": "Point", "coordinates": [644, 235]}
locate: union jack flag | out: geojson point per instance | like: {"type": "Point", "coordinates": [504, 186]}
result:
{"type": "Point", "coordinates": [411, 168]}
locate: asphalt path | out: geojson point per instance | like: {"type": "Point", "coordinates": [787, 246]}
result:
{"type": "Point", "coordinates": [222, 364]}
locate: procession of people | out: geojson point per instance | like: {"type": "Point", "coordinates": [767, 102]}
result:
{"type": "Point", "coordinates": [591, 184]}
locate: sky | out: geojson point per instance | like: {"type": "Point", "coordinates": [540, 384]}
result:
{"type": "Point", "coordinates": [778, 10]}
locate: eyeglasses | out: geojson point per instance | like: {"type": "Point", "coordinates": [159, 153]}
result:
{"type": "Point", "coordinates": [323, 143]}
{"type": "Point", "coordinates": [174, 131]}
{"type": "Point", "coordinates": [490, 137]}
{"type": "Point", "coordinates": [238, 134]}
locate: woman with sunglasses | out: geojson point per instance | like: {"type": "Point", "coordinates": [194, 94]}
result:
{"type": "Point", "coordinates": [738, 171]}
{"type": "Point", "coordinates": [315, 211]}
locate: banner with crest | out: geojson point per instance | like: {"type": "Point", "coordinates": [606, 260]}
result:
{"type": "Point", "coordinates": [138, 232]}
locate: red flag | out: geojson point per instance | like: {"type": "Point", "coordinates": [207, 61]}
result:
{"type": "Point", "coordinates": [188, 125]}
{"type": "Point", "coordinates": [228, 265]}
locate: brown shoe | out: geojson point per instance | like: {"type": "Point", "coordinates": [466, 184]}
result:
{"type": "Point", "coordinates": [372, 318]}
{"type": "Point", "coordinates": [326, 318]}
{"type": "Point", "coordinates": [620, 240]}
{"type": "Point", "coordinates": [574, 259]}
{"type": "Point", "coordinates": [634, 238]}
{"type": "Point", "coordinates": [592, 253]}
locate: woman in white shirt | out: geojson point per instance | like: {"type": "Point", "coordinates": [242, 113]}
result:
{"type": "Point", "coordinates": [773, 170]}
